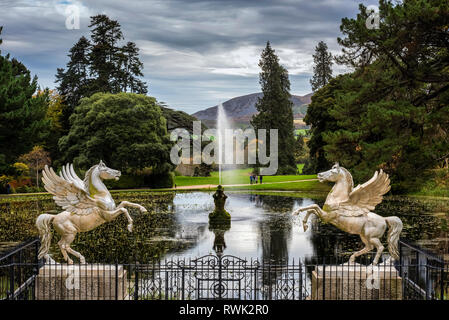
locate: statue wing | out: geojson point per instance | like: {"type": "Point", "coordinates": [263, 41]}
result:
{"type": "Point", "coordinates": [364, 198]}
{"type": "Point", "coordinates": [68, 191]}
{"type": "Point", "coordinates": [70, 175]}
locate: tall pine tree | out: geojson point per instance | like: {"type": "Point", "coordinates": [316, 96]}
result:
{"type": "Point", "coordinates": [322, 70]}
{"type": "Point", "coordinates": [74, 82]}
{"type": "Point", "coordinates": [275, 108]}
{"type": "Point", "coordinates": [104, 56]}
{"type": "Point", "coordinates": [130, 69]}
{"type": "Point", "coordinates": [100, 64]}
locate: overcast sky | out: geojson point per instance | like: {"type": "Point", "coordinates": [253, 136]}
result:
{"type": "Point", "coordinates": [196, 53]}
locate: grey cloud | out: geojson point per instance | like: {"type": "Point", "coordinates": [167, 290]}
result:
{"type": "Point", "coordinates": [195, 52]}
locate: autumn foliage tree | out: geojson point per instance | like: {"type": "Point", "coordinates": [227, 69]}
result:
{"type": "Point", "coordinates": [36, 160]}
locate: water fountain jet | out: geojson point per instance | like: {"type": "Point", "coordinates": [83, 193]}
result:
{"type": "Point", "coordinates": [225, 141]}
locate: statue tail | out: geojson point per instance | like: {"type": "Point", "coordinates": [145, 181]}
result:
{"type": "Point", "coordinates": [395, 228]}
{"type": "Point", "coordinates": [43, 224]}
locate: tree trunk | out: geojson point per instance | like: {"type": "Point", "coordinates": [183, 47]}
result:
{"type": "Point", "coordinates": [37, 175]}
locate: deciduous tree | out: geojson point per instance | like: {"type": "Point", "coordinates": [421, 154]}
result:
{"type": "Point", "coordinates": [36, 159]}
{"type": "Point", "coordinates": [126, 130]}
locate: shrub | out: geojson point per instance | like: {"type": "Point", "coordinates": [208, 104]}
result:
{"type": "Point", "coordinates": [177, 173]}
{"type": "Point", "coordinates": [126, 182]}
{"type": "Point", "coordinates": [153, 180]}
{"type": "Point", "coordinates": [285, 170]}
{"type": "Point", "coordinates": [160, 180]}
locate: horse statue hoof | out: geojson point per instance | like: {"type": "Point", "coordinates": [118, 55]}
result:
{"type": "Point", "coordinates": [130, 227]}
{"type": "Point", "coordinates": [351, 262]}
{"type": "Point", "coordinates": [305, 226]}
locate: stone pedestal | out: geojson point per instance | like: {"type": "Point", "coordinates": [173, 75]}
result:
{"type": "Point", "coordinates": [356, 282]}
{"type": "Point", "coordinates": [81, 282]}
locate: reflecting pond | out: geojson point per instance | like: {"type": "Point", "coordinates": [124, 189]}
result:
{"type": "Point", "coordinates": [261, 227]}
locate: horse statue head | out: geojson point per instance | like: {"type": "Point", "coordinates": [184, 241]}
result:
{"type": "Point", "coordinates": [103, 172]}
{"type": "Point", "coordinates": [343, 182]}
{"type": "Point", "coordinates": [335, 174]}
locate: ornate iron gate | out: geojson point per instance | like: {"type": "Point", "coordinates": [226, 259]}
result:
{"type": "Point", "coordinates": [219, 277]}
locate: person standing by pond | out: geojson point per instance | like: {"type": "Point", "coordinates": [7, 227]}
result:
{"type": "Point", "coordinates": [260, 179]}
{"type": "Point", "coordinates": [250, 179]}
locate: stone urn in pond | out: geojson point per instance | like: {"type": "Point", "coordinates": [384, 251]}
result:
{"type": "Point", "coordinates": [219, 214]}
{"type": "Point", "coordinates": [219, 221]}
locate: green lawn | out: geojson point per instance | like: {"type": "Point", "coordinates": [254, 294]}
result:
{"type": "Point", "coordinates": [312, 186]}
{"type": "Point", "coordinates": [238, 176]}
{"type": "Point", "coordinates": [230, 177]}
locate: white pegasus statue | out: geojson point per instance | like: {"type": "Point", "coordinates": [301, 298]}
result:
{"type": "Point", "coordinates": [87, 204]}
{"type": "Point", "coordinates": [349, 209]}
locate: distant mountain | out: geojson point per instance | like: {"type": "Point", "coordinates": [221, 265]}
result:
{"type": "Point", "coordinates": [241, 109]}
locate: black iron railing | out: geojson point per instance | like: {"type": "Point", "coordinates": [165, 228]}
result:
{"type": "Point", "coordinates": [225, 277]}
{"type": "Point", "coordinates": [18, 269]}
{"type": "Point", "coordinates": [426, 273]}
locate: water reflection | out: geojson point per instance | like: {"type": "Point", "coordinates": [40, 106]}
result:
{"type": "Point", "coordinates": [261, 227]}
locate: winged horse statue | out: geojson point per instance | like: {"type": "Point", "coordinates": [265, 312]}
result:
{"type": "Point", "coordinates": [87, 204]}
{"type": "Point", "coordinates": [350, 209]}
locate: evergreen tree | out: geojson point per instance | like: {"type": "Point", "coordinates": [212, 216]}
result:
{"type": "Point", "coordinates": [74, 82]}
{"type": "Point", "coordinates": [275, 108]}
{"type": "Point", "coordinates": [392, 112]}
{"type": "Point", "coordinates": [104, 56]}
{"type": "Point", "coordinates": [22, 115]}
{"type": "Point", "coordinates": [318, 117]}
{"type": "Point", "coordinates": [99, 65]}
{"type": "Point", "coordinates": [130, 68]}
{"type": "Point", "coordinates": [322, 70]}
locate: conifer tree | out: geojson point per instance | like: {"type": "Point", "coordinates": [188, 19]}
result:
{"type": "Point", "coordinates": [74, 81]}
{"type": "Point", "coordinates": [322, 70]}
{"type": "Point", "coordinates": [130, 69]}
{"type": "Point", "coordinates": [275, 108]}
{"type": "Point", "coordinates": [100, 64]}
{"type": "Point", "coordinates": [392, 112]}
{"type": "Point", "coordinates": [104, 55]}
{"type": "Point", "coordinates": [320, 120]}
